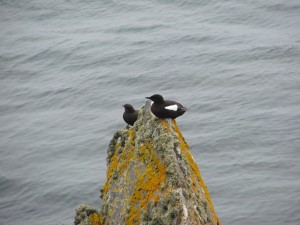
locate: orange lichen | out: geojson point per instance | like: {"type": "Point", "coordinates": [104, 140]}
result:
{"type": "Point", "coordinates": [113, 165]}
{"type": "Point", "coordinates": [147, 183]}
{"type": "Point", "coordinates": [119, 162]}
{"type": "Point", "coordinates": [183, 144]}
{"type": "Point", "coordinates": [96, 219]}
{"type": "Point", "coordinates": [131, 136]}
{"type": "Point", "coordinates": [165, 124]}
{"type": "Point", "coordinates": [156, 198]}
{"type": "Point", "coordinates": [184, 147]}
{"type": "Point", "coordinates": [133, 217]}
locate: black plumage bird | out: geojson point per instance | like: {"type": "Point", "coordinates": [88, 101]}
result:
{"type": "Point", "coordinates": [130, 115]}
{"type": "Point", "coordinates": [165, 108]}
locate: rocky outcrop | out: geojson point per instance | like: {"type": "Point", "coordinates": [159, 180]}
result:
{"type": "Point", "coordinates": [152, 178]}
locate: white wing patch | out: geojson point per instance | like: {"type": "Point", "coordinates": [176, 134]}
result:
{"type": "Point", "coordinates": [172, 107]}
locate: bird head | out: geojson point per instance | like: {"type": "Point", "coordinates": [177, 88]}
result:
{"type": "Point", "coordinates": [128, 108]}
{"type": "Point", "coordinates": [156, 99]}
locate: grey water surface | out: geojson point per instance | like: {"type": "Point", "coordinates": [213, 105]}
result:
{"type": "Point", "coordinates": [67, 67]}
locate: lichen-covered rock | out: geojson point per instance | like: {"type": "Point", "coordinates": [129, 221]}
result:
{"type": "Point", "coordinates": [86, 215]}
{"type": "Point", "coordinates": [152, 178]}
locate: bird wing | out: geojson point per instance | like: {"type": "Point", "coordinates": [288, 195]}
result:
{"type": "Point", "coordinates": [172, 107]}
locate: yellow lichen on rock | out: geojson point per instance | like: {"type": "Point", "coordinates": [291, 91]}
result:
{"type": "Point", "coordinates": [147, 183]}
{"type": "Point", "coordinates": [95, 219]}
{"type": "Point", "coordinates": [152, 178]}
{"type": "Point", "coordinates": [185, 149]}
{"type": "Point", "coordinates": [86, 215]}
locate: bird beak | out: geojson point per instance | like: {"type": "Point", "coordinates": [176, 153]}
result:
{"type": "Point", "coordinates": [147, 97]}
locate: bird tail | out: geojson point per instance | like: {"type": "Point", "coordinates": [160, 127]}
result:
{"type": "Point", "coordinates": [183, 109]}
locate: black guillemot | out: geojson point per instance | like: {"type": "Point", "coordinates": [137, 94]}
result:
{"type": "Point", "coordinates": [164, 108]}
{"type": "Point", "coordinates": [130, 115]}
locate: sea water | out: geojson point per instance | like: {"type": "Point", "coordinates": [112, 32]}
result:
{"type": "Point", "coordinates": [67, 67]}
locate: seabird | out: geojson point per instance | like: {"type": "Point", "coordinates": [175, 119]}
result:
{"type": "Point", "coordinates": [165, 108]}
{"type": "Point", "coordinates": [130, 115]}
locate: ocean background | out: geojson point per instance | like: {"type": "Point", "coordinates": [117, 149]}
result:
{"type": "Point", "coordinates": [67, 67]}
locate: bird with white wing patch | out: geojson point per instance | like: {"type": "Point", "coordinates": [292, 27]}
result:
{"type": "Point", "coordinates": [165, 108]}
